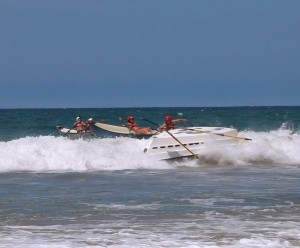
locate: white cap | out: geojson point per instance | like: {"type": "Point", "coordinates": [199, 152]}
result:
{"type": "Point", "coordinates": [90, 119]}
{"type": "Point", "coordinates": [77, 118]}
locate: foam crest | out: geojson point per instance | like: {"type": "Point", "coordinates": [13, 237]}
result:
{"type": "Point", "coordinates": [274, 147]}
{"type": "Point", "coordinates": [48, 153]}
{"type": "Point", "coordinates": [266, 148]}
{"type": "Point", "coordinates": [280, 147]}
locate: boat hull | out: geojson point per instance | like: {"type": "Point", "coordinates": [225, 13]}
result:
{"type": "Point", "coordinates": [191, 141]}
{"type": "Point", "coordinates": [120, 130]}
{"type": "Point", "coordinates": [73, 134]}
{"type": "Point", "coordinates": [113, 128]}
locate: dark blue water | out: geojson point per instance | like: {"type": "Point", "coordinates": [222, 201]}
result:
{"type": "Point", "coordinates": [16, 123]}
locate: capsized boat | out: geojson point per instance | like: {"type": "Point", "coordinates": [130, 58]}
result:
{"type": "Point", "coordinates": [73, 134]}
{"type": "Point", "coordinates": [190, 141]}
{"type": "Point", "coordinates": [122, 130]}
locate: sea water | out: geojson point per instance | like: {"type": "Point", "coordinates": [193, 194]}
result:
{"type": "Point", "coordinates": [104, 192]}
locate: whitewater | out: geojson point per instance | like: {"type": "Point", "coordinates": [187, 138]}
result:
{"type": "Point", "coordinates": [50, 153]}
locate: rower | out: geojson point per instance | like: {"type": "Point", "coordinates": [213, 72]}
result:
{"type": "Point", "coordinates": [79, 125]}
{"type": "Point", "coordinates": [132, 126]}
{"type": "Point", "coordinates": [169, 123]}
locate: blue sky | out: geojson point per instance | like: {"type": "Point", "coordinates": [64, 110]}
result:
{"type": "Point", "coordinates": [78, 53]}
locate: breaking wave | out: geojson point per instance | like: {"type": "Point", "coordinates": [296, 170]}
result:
{"type": "Point", "coordinates": [59, 154]}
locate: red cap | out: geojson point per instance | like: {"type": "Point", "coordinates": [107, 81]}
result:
{"type": "Point", "coordinates": [129, 118]}
{"type": "Point", "coordinates": [168, 118]}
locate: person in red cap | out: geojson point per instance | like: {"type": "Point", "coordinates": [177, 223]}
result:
{"type": "Point", "coordinates": [169, 123]}
{"type": "Point", "coordinates": [132, 126]}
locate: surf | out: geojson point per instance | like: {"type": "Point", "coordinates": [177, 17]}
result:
{"type": "Point", "coordinates": [60, 154]}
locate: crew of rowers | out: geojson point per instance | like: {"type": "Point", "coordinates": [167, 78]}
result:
{"type": "Point", "coordinates": [81, 126]}
{"type": "Point", "coordinates": [169, 124]}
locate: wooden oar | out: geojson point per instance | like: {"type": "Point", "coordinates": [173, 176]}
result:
{"type": "Point", "coordinates": [195, 155]}
{"type": "Point", "coordinates": [220, 134]}
{"type": "Point", "coordinates": [149, 121]}
{"type": "Point", "coordinates": [203, 131]}
{"type": "Point", "coordinates": [71, 129]}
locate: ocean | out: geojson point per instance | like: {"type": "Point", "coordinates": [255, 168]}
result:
{"type": "Point", "coordinates": [104, 192]}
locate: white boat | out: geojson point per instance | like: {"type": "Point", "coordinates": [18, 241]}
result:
{"type": "Point", "coordinates": [190, 141]}
{"type": "Point", "coordinates": [123, 130]}
{"type": "Point", "coordinates": [73, 134]}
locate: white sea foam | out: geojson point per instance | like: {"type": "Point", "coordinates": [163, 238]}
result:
{"type": "Point", "coordinates": [181, 234]}
{"type": "Point", "coordinates": [48, 153]}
